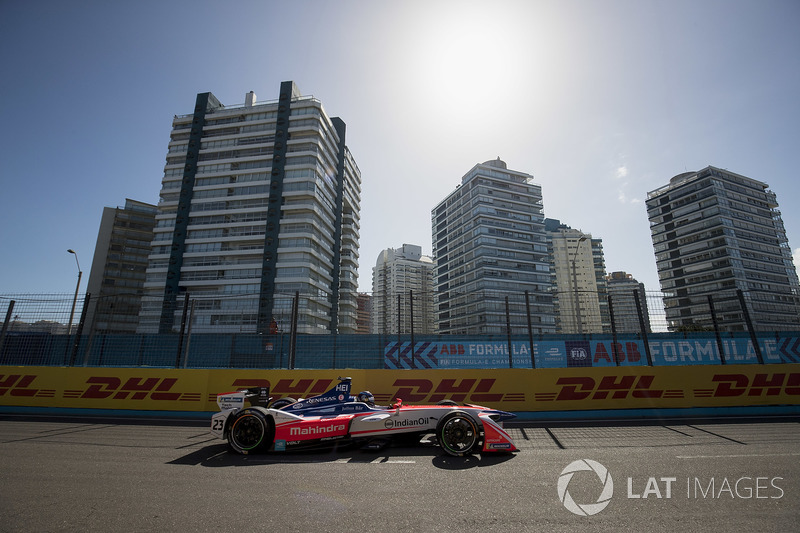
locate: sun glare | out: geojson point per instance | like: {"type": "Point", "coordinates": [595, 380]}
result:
{"type": "Point", "coordinates": [475, 58]}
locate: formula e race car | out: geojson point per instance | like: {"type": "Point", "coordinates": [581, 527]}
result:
{"type": "Point", "coordinates": [335, 417]}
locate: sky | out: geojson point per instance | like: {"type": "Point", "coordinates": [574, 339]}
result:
{"type": "Point", "coordinates": [601, 101]}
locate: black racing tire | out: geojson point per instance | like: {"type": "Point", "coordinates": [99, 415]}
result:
{"type": "Point", "coordinates": [280, 403]}
{"type": "Point", "coordinates": [448, 403]}
{"type": "Point", "coordinates": [251, 431]}
{"type": "Point", "coordinates": [459, 434]}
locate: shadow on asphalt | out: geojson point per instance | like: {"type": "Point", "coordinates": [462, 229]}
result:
{"type": "Point", "coordinates": [219, 456]}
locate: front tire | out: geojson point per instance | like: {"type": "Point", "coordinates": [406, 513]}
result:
{"type": "Point", "coordinates": [458, 434]}
{"type": "Point", "coordinates": [251, 431]}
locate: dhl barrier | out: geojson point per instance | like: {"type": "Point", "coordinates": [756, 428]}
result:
{"type": "Point", "coordinates": [519, 390]}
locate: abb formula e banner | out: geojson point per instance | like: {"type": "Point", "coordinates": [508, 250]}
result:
{"type": "Point", "coordinates": [562, 389]}
{"type": "Point", "coordinates": [588, 353]}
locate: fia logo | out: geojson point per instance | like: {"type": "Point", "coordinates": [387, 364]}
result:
{"type": "Point", "coordinates": [578, 354]}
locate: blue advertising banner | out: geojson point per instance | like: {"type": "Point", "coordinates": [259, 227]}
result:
{"type": "Point", "coordinates": [664, 351]}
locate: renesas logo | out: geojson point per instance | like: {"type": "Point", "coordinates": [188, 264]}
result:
{"type": "Point", "coordinates": [406, 423]}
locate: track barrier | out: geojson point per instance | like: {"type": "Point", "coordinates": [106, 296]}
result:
{"type": "Point", "coordinates": [516, 390]}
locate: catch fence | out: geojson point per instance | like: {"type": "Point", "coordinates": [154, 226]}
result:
{"type": "Point", "coordinates": [65, 330]}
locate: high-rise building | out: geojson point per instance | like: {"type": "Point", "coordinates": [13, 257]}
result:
{"type": "Point", "coordinates": [117, 275]}
{"type": "Point", "coordinates": [719, 236]}
{"type": "Point", "coordinates": [260, 206]}
{"type": "Point", "coordinates": [364, 319]}
{"type": "Point", "coordinates": [579, 272]}
{"type": "Point", "coordinates": [490, 247]}
{"type": "Point", "coordinates": [401, 278]}
{"type": "Point", "coordinates": [623, 290]}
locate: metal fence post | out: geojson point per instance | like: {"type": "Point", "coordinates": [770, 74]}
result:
{"type": "Point", "coordinates": [642, 327]}
{"type": "Point", "coordinates": [613, 330]}
{"type": "Point", "coordinates": [720, 346]}
{"type": "Point", "coordinates": [183, 331]}
{"type": "Point", "coordinates": [399, 328]}
{"type": "Point", "coordinates": [530, 328]}
{"type": "Point", "coordinates": [293, 330]}
{"type": "Point", "coordinates": [508, 333]}
{"type": "Point", "coordinates": [189, 335]}
{"type": "Point", "coordinates": [6, 322]}
{"type": "Point", "coordinates": [411, 316]}
{"type": "Point", "coordinates": [750, 329]}
{"type": "Point", "coordinates": [78, 333]}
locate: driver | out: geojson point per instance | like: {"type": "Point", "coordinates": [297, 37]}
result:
{"type": "Point", "coordinates": [366, 397]}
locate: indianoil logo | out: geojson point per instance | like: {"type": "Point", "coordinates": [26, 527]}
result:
{"type": "Point", "coordinates": [585, 509]}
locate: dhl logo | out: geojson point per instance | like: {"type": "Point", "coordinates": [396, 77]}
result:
{"type": "Point", "coordinates": [100, 388]}
{"type": "Point", "coordinates": [289, 387]}
{"type": "Point", "coordinates": [622, 387]}
{"type": "Point", "coordinates": [410, 390]}
{"type": "Point", "coordinates": [613, 387]}
{"type": "Point", "coordinates": [109, 387]}
{"type": "Point", "coordinates": [732, 385]}
{"type": "Point", "coordinates": [464, 390]}
{"type": "Point", "coordinates": [19, 385]}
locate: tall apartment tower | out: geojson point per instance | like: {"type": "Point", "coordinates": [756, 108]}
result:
{"type": "Point", "coordinates": [400, 278]}
{"type": "Point", "coordinates": [623, 290]}
{"type": "Point", "coordinates": [716, 233]}
{"type": "Point", "coordinates": [579, 275]}
{"type": "Point", "coordinates": [364, 318]}
{"type": "Point", "coordinates": [489, 243]}
{"type": "Point", "coordinates": [117, 276]}
{"type": "Point", "coordinates": [259, 203]}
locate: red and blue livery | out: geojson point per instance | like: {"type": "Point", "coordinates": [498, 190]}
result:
{"type": "Point", "coordinates": [336, 417]}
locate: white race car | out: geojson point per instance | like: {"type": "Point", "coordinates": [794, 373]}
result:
{"type": "Point", "coordinates": [336, 417]}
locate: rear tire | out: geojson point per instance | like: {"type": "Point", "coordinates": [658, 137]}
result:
{"type": "Point", "coordinates": [251, 431]}
{"type": "Point", "coordinates": [458, 434]}
{"type": "Point", "coordinates": [280, 403]}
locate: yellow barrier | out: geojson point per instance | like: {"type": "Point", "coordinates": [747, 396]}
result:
{"type": "Point", "coordinates": [563, 389]}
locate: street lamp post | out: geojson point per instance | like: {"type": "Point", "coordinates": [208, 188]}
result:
{"type": "Point", "coordinates": [575, 284]}
{"type": "Point", "coordinates": [77, 287]}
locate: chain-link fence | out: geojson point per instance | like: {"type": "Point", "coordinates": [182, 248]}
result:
{"type": "Point", "coordinates": [214, 331]}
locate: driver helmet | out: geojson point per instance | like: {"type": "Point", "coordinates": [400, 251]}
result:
{"type": "Point", "coordinates": [366, 397]}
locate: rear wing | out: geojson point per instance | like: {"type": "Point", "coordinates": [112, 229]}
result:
{"type": "Point", "coordinates": [340, 393]}
{"type": "Point", "coordinates": [257, 396]}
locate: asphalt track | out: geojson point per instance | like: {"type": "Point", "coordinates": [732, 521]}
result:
{"type": "Point", "coordinates": [62, 474]}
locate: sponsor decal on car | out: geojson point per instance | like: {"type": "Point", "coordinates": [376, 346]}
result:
{"type": "Point", "coordinates": [316, 430]}
{"type": "Point", "coordinates": [412, 422]}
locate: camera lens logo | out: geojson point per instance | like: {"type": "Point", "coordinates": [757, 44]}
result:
{"type": "Point", "coordinates": [585, 509]}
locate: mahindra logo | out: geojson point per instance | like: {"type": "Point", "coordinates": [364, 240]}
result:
{"type": "Point", "coordinates": [316, 430]}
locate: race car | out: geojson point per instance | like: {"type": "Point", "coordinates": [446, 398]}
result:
{"type": "Point", "coordinates": [335, 417]}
